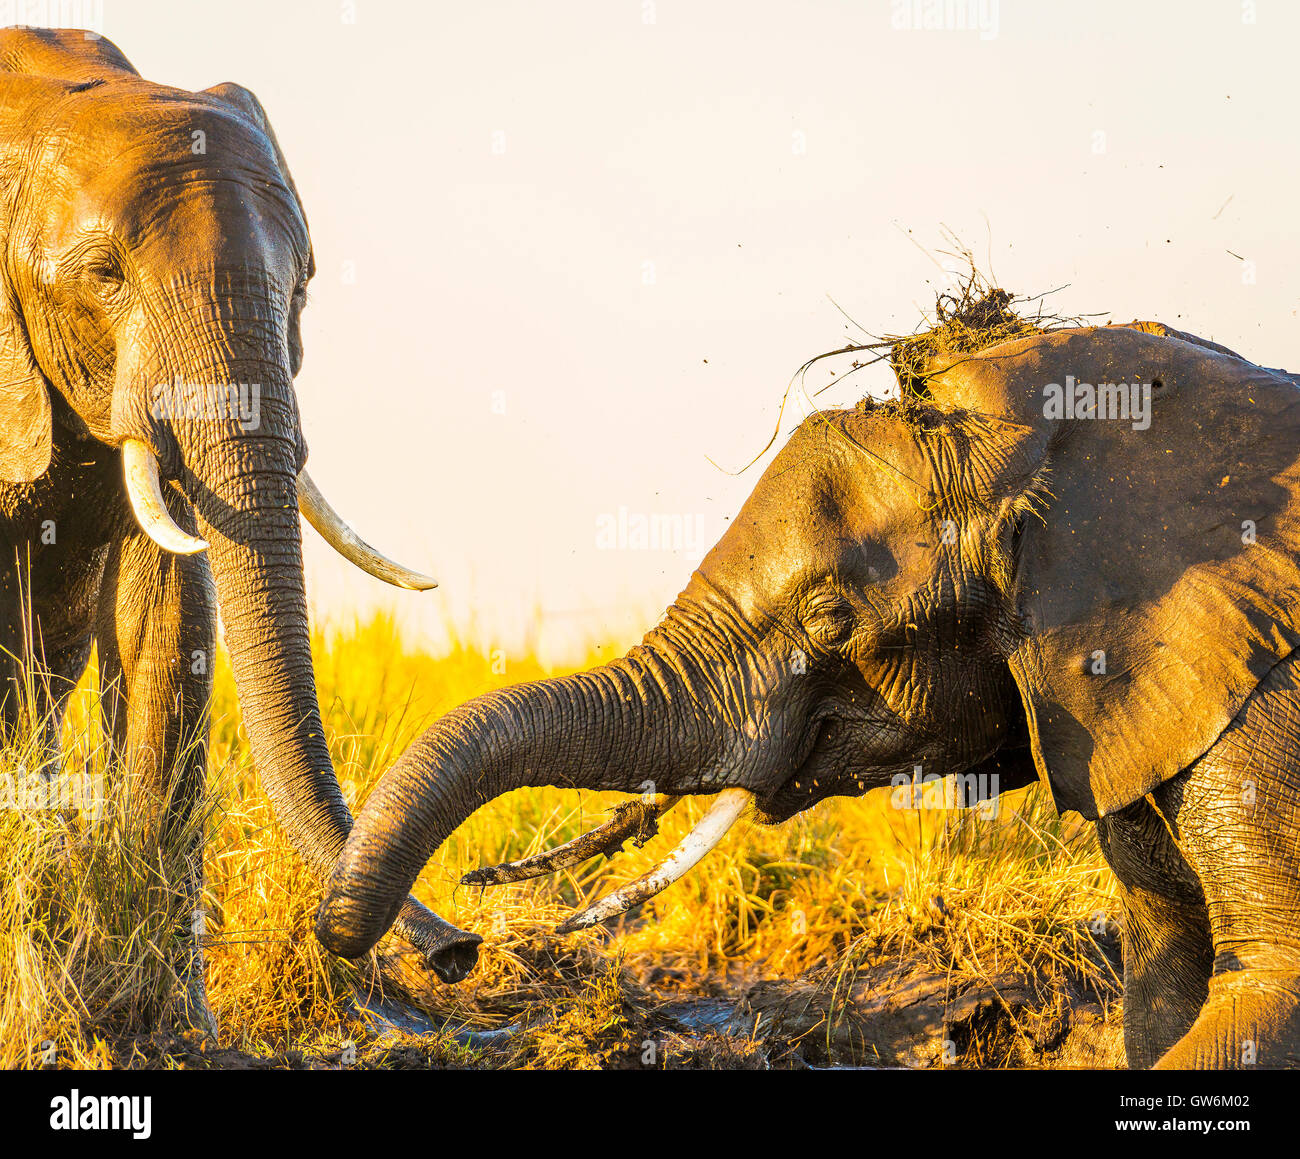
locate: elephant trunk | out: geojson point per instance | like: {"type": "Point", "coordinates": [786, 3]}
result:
{"type": "Point", "coordinates": [240, 473]}
{"type": "Point", "coordinates": [243, 487]}
{"type": "Point", "coordinates": [622, 727]}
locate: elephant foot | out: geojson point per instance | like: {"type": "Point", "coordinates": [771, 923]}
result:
{"type": "Point", "coordinates": [1251, 1019]}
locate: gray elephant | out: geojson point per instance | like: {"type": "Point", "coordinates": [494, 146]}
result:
{"type": "Point", "coordinates": [155, 262]}
{"type": "Point", "coordinates": [1071, 556]}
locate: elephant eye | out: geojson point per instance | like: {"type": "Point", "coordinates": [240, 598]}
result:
{"type": "Point", "coordinates": [103, 274]}
{"type": "Point", "coordinates": [830, 622]}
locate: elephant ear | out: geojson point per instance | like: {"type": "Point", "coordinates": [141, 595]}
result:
{"type": "Point", "coordinates": [38, 66]}
{"type": "Point", "coordinates": [26, 436]}
{"type": "Point", "coordinates": [1162, 581]}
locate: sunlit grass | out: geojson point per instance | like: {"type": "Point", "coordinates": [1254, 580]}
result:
{"type": "Point", "coordinates": [91, 910]}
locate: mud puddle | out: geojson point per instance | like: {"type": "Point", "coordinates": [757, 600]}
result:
{"type": "Point", "coordinates": [894, 1016]}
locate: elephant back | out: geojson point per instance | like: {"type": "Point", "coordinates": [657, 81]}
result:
{"type": "Point", "coordinates": [1160, 581]}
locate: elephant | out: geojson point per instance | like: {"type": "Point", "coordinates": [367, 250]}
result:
{"type": "Point", "coordinates": [155, 263]}
{"type": "Point", "coordinates": [1069, 557]}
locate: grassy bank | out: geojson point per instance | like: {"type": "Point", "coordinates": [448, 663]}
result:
{"type": "Point", "coordinates": [90, 918]}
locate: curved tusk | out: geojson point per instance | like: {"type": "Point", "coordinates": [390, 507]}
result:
{"type": "Point", "coordinates": [350, 545]}
{"type": "Point", "coordinates": [140, 467]}
{"type": "Point", "coordinates": [638, 820]}
{"type": "Point", "coordinates": [711, 829]}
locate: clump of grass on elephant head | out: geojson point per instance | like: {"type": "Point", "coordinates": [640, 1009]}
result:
{"type": "Point", "coordinates": [974, 316]}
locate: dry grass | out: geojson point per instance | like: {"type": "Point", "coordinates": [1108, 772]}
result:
{"type": "Point", "coordinates": [974, 315]}
{"type": "Point", "coordinates": [971, 319]}
{"type": "Point", "coordinates": [91, 914]}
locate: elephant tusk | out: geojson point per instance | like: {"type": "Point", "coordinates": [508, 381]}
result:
{"type": "Point", "coordinates": [140, 467]}
{"type": "Point", "coordinates": [350, 545]}
{"type": "Point", "coordinates": [711, 829]}
{"type": "Point", "coordinates": [635, 819]}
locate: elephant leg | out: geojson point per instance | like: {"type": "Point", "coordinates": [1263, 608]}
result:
{"type": "Point", "coordinates": [58, 678]}
{"type": "Point", "coordinates": [15, 653]}
{"type": "Point", "coordinates": [43, 652]}
{"type": "Point", "coordinates": [1236, 815]}
{"type": "Point", "coordinates": [1167, 951]}
{"type": "Point", "coordinates": [156, 632]}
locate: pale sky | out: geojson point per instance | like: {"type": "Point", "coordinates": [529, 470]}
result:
{"type": "Point", "coordinates": [621, 223]}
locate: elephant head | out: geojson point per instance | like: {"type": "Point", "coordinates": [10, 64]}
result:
{"type": "Point", "coordinates": [155, 263]}
{"type": "Point", "coordinates": [966, 581]}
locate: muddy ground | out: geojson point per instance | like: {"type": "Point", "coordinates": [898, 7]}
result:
{"type": "Point", "coordinates": [896, 1014]}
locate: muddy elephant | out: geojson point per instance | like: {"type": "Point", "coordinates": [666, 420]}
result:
{"type": "Point", "coordinates": [1071, 556]}
{"type": "Point", "coordinates": [155, 262]}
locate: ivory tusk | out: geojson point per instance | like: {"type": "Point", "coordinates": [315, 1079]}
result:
{"type": "Point", "coordinates": [711, 829]}
{"type": "Point", "coordinates": [635, 819]}
{"type": "Point", "coordinates": [140, 467]}
{"type": "Point", "coordinates": [350, 545]}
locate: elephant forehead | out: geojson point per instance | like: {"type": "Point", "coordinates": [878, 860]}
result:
{"type": "Point", "coordinates": [121, 148]}
{"type": "Point", "coordinates": [104, 121]}
{"type": "Point", "coordinates": [823, 511]}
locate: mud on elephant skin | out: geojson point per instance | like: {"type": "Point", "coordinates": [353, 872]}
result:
{"type": "Point", "coordinates": [154, 258]}
{"type": "Point", "coordinates": [968, 580]}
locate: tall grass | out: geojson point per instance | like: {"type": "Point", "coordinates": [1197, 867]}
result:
{"type": "Point", "coordinates": [92, 914]}
{"type": "Point", "coordinates": [94, 905]}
